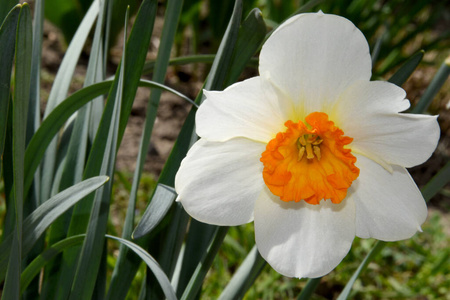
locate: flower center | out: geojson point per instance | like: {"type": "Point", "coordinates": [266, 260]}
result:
{"type": "Point", "coordinates": [309, 162]}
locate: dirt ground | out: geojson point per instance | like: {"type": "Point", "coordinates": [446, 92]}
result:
{"type": "Point", "coordinates": [173, 110]}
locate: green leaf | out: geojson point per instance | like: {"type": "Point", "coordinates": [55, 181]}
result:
{"type": "Point", "coordinates": [221, 64]}
{"type": "Point", "coordinates": [162, 200]}
{"type": "Point", "coordinates": [73, 166]}
{"type": "Point", "coordinates": [34, 111]}
{"type": "Point", "coordinates": [309, 289]}
{"type": "Point", "coordinates": [41, 218]}
{"type": "Point", "coordinates": [66, 15]}
{"type": "Point", "coordinates": [11, 289]}
{"type": "Point", "coordinates": [153, 266]}
{"type": "Point", "coordinates": [200, 272]}
{"type": "Point", "coordinates": [437, 183]}
{"type": "Point", "coordinates": [373, 252]}
{"type": "Point", "coordinates": [407, 69]}
{"type": "Point", "coordinates": [138, 44]}
{"type": "Point", "coordinates": [6, 8]}
{"type": "Point", "coordinates": [250, 37]}
{"type": "Point", "coordinates": [434, 87]}
{"type": "Point", "coordinates": [119, 283]}
{"type": "Point", "coordinates": [245, 276]}
{"type": "Point", "coordinates": [179, 61]}
{"type": "Point", "coordinates": [92, 251]}
{"type": "Point", "coordinates": [51, 125]}
{"type": "Point", "coordinates": [39, 262]}
{"type": "Point", "coordinates": [35, 267]}
{"type": "Point", "coordinates": [59, 92]}
{"type": "Point", "coordinates": [198, 239]}
{"type": "Point", "coordinates": [8, 44]}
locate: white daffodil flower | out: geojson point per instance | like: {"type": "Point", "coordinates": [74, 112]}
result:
{"type": "Point", "coordinates": [311, 150]}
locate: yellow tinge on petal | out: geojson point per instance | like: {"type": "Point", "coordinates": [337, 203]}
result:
{"type": "Point", "coordinates": [309, 162]}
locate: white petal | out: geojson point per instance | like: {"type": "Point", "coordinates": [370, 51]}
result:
{"type": "Point", "coordinates": [300, 239]}
{"type": "Point", "coordinates": [246, 109]}
{"type": "Point", "coordinates": [369, 113]}
{"type": "Point", "coordinates": [389, 206]}
{"type": "Point", "coordinates": [314, 57]}
{"type": "Point", "coordinates": [218, 183]}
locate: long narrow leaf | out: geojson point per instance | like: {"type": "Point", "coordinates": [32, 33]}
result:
{"type": "Point", "coordinates": [434, 87]}
{"type": "Point", "coordinates": [309, 289]}
{"type": "Point", "coordinates": [92, 250]}
{"type": "Point", "coordinates": [59, 91]}
{"type": "Point", "coordinates": [5, 8]}
{"type": "Point", "coordinates": [73, 167]}
{"type": "Point", "coordinates": [245, 276]}
{"type": "Point", "coordinates": [11, 289]}
{"type": "Point", "coordinates": [34, 268]}
{"type": "Point", "coordinates": [152, 264]}
{"type": "Point", "coordinates": [379, 245]}
{"type": "Point", "coordinates": [51, 125]}
{"type": "Point", "coordinates": [200, 272]}
{"type": "Point", "coordinates": [251, 34]}
{"type": "Point", "coordinates": [407, 69]}
{"type": "Point", "coordinates": [221, 64]}
{"type": "Point", "coordinates": [40, 219]}
{"type": "Point", "coordinates": [8, 44]}
{"type": "Point", "coordinates": [119, 283]}
{"type": "Point", "coordinates": [162, 200]}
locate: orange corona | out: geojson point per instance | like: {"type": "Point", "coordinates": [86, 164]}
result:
{"type": "Point", "coordinates": [309, 162]}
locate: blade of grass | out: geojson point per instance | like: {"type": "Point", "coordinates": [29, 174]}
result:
{"type": "Point", "coordinates": [73, 166]}
{"type": "Point", "coordinates": [92, 251]}
{"type": "Point", "coordinates": [35, 267]}
{"type": "Point", "coordinates": [250, 37]}
{"type": "Point", "coordinates": [179, 61]}
{"type": "Point", "coordinates": [433, 88]}
{"type": "Point", "coordinates": [406, 69]}
{"type": "Point", "coordinates": [50, 126]}
{"type": "Point", "coordinates": [8, 42]}
{"type": "Point", "coordinates": [216, 77]}
{"type": "Point", "coordinates": [161, 202]}
{"type": "Point", "coordinates": [8, 175]}
{"type": "Point", "coordinates": [59, 91]}
{"type": "Point", "coordinates": [6, 7]}
{"type": "Point", "coordinates": [34, 118]}
{"type": "Point", "coordinates": [245, 276]}
{"type": "Point", "coordinates": [11, 289]}
{"type": "Point", "coordinates": [309, 289]}
{"type": "Point", "coordinates": [379, 245]}
{"type": "Point", "coordinates": [119, 284]}
{"type": "Point", "coordinates": [41, 218]}
{"type": "Point", "coordinates": [34, 111]}
{"type": "Point", "coordinates": [200, 272]}
{"type": "Point", "coordinates": [153, 266]}
{"type": "Point", "coordinates": [437, 182]}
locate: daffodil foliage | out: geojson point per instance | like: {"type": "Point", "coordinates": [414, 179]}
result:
{"type": "Point", "coordinates": [310, 150]}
